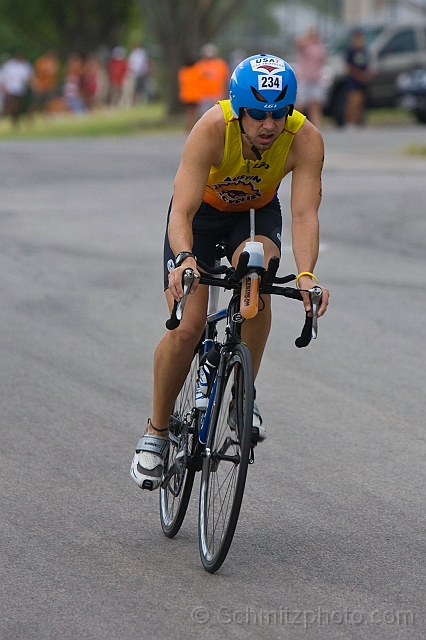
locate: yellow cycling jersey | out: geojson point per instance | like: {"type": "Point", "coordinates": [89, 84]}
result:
{"type": "Point", "coordinates": [238, 184]}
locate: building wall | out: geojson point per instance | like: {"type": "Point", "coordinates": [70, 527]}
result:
{"type": "Point", "coordinates": [356, 10]}
{"type": "Point", "coordinates": [360, 10]}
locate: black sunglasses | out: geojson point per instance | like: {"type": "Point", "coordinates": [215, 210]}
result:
{"type": "Point", "coordinates": [258, 114]}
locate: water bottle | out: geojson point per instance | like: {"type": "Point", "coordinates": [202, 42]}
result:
{"type": "Point", "coordinates": [206, 375]}
{"type": "Point", "coordinates": [249, 301]}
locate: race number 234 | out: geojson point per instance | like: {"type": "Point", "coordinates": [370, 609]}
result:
{"type": "Point", "coordinates": [270, 82]}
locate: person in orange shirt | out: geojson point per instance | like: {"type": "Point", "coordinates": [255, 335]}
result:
{"type": "Point", "coordinates": [189, 92]}
{"type": "Point", "coordinates": [44, 80]}
{"type": "Point", "coordinates": [213, 78]}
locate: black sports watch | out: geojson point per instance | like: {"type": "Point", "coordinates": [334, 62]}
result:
{"type": "Point", "coordinates": [183, 255]}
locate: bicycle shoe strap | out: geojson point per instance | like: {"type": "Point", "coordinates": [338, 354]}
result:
{"type": "Point", "coordinates": [153, 444]}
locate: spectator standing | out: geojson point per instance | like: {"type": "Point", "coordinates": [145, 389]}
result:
{"type": "Point", "coordinates": [3, 59]}
{"type": "Point", "coordinates": [151, 86]}
{"type": "Point", "coordinates": [189, 92]}
{"type": "Point", "coordinates": [138, 70]}
{"type": "Point", "coordinates": [358, 76]}
{"type": "Point", "coordinates": [15, 79]}
{"type": "Point", "coordinates": [92, 82]}
{"type": "Point", "coordinates": [73, 83]}
{"type": "Point", "coordinates": [213, 78]}
{"type": "Point", "coordinates": [117, 70]}
{"type": "Point", "coordinates": [44, 81]}
{"type": "Point", "coordinates": [310, 60]}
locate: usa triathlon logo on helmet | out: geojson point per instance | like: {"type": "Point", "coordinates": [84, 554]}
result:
{"type": "Point", "coordinates": [272, 80]}
{"type": "Point", "coordinates": [271, 65]}
{"type": "Point", "coordinates": [263, 82]}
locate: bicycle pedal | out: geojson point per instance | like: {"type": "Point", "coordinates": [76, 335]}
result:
{"type": "Point", "coordinates": [254, 436]}
{"type": "Point", "coordinates": [147, 484]}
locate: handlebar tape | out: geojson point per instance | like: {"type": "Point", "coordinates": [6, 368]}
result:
{"type": "Point", "coordinates": [284, 279]}
{"type": "Point", "coordinates": [241, 269]}
{"type": "Point", "coordinates": [269, 275]}
{"type": "Point", "coordinates": [305, 337]}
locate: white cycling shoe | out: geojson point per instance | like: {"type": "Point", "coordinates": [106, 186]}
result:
{"type": "Point", "coordinates": [257, 423]}
{"type": "Point", "coordinates": [258, 429]}
{"type": "Point", "coordinates": [148, 462]}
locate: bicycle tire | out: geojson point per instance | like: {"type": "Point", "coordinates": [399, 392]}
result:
{"type": "Point", "coordinates": [183, 435]}
{"type": "Point", "coordinates": [224, 471]}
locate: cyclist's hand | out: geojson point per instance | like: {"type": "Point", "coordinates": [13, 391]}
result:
{"type": "Point", "coordinates": [175, 279]}
{"type": "Point", "coordinates": [305, 282]}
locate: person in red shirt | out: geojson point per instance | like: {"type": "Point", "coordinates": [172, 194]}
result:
{"type": "Point", "coordinates": [91, 81]}
{"type": "Point", "coordinates": [117, 70]}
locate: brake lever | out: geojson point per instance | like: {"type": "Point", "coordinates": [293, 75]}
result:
{"type": "Point", "coordinates": [315, 295]}
{"type": "Point", "coordinates": [187, 280]}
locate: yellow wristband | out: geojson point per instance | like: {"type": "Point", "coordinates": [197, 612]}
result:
{"type": "Point", "coordinates": [305, 273]}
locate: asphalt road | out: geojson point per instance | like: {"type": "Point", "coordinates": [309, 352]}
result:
{"type": "Point", "coordinates": [331, 538]}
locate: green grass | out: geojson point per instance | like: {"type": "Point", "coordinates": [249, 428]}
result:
{"type": "Point", "coordinates": [104, 122]}
{"type": "Point", "coordinates": [140, 119]}
{"type": "Point", "coordinates": [415, 149]}
{"type": "Point", "coordinates": [389, 117]}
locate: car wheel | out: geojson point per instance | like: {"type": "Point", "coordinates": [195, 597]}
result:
{"type": "Point", "coordinates": [420, 116]}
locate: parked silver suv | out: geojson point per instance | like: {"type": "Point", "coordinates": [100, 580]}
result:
{"type": "Point", "coordinates": [393, 49]}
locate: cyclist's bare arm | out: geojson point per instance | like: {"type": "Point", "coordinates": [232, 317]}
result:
{"type": "Point", "coordinates": [305, 160]}
{"type": "Point", "coordinates": [203, 148]}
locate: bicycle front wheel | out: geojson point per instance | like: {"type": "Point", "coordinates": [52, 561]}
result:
{"type": "Point", "coordinates": [180, 467]}
{"type": "Point", "coordinates": [227, 456]}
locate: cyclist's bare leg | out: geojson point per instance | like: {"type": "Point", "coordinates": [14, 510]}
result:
{"type": "Point", "coordinates": [255, 332]}
{"type": "Point", "coordinates": [354, 107]}
{"type": "Point", "coordinates": [173, 356]}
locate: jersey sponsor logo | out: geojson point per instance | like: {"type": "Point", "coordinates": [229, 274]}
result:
{"type": "Point", "coordinates": [237, 190]}
{"type": "Point", "coordinates": [269, 64]}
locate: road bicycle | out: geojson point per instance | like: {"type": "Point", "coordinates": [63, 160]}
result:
{"type": "Point", "coordinates": [218, 439]}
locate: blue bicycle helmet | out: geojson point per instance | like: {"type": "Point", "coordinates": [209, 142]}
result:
{"type": "Point", "coordinates": [262, 82]}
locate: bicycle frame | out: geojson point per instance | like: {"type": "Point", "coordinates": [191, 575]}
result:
{"type": "Point", "coordinates": [232, 335]}
{"type": "Point", "coordinates": [223, 436]}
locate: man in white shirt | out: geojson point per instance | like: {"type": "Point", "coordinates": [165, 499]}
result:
{"type": "Point", "coordinates": [138, 69]}
{"type": "Point", "coordinates": [15, 75]}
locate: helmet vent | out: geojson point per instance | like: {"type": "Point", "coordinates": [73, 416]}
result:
{"type": "Point", "coordinates": [282, 94]}
{"type": "Point", "coordinates": [258, 95]}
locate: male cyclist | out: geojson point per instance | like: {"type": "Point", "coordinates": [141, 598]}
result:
{"type": "Point", "coordinates": [234, 159]}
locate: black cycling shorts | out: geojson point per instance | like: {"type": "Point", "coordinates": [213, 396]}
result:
{"type": "Point", "coordinates": [211, 226]}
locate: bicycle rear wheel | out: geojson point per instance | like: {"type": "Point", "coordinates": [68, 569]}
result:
{"type": "Point", "coordinates": [224, 468]}
{"type": "Point", "coordinates": [180, 466]}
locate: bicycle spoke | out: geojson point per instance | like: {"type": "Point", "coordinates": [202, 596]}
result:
{"type": "Point", "coordinates": [224, 501]}
{"type": "Point", "coordinates": [178, 480]}
{"type": "Point", "coordinates": [224, 472]}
